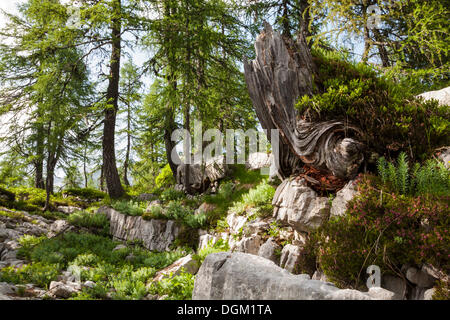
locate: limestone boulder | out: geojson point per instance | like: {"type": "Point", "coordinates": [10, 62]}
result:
{"type": "Point", "coordinates": [155, 234]}
{"type": "Point", "coordinates": [443, 96]}
{"type": "Point", "coordinates": [239, 276]}
{"type": "Point", "coordinates": [258, 160]}
{"type": "Point", "coordinates": [297, 205]}
{"type": "Point", "coordinates": [269, 250]}
{"type": "Point", "coordinates": [343, 196]}
{"type": "Point", "coordinates": [290, 256]}
{"type": "Point", "coordinates": [187, 264]}
{"type": "Point", "coordinates": [68, 209]}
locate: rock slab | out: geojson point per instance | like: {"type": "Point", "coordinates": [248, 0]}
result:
{"type": "Point", "coordinates": [240, 276]}
{"type": "Point", "coordinates": [155, 234]}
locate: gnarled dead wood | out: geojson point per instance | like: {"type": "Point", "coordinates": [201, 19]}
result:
{"type": "Point", "coordinates": [281, 73]}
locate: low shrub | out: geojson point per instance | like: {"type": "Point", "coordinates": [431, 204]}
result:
{"type": "Point", "coordinates": [384, 229]}
{"type": "Point", "coordinates": [130, 208]}
{"type": "Point", "coordinates": [390, 118]}
{"type": "Point", "coordinates": [431, 178]}
{"type": "Point", "coordinates": [85, 193]}
{"type": "Point", "coordinates": [165, 178]}
{"type": "Point", "coordinates": [175, 288]}
{"type": "Point", "coordinates": [219, 246]}
{"type": "Point", "coordinates": [259, 199]}
{"type": "Point", "coordinates": [122, 272]}
{"type": "Point", "coordinates": [91, 220]}
{"type": "Point", "coordinates": [37, 273]}
{"type": "Point", "coordinates": [170, 194]}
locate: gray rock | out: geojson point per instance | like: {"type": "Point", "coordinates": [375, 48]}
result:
{"type": "Point", "coordinates": [6, 289]}
{"type": "Point", "coordinates": [207, 239]}
{"type": "Point", "coordinates": [443, 96]}
{"type": "Point", "coordinates": [445, 157]}
{"type": "Point", "coordinates": [9, 255]}
{"type": "Point", "coordinates": [297, 205]}
{"type": "Point", "coordinates": [236, 223]}
{"type": "Point", "coordinates": [187, 264]}
{"type": "Point", "coordinates": [258, 160]}
{"type": "Point", "coordinates": [428, 294]}
{"type": "Point", "coordinates": [89, 284]}
{"type": "Point", "coordinates": [290, 256]}
{"type": "Point", "coordinates": [15, 263]}
{"type": "Point", "coordinates": [419, 278]}
{"type": "Point", "coordinates": [247, 244]}
{"type": "Point", "coordinates": [216, 168]}
{"type": "Point", "coordinates": [120, 247]}
{"type": "Point", "coordinates": [255, 227]}
{"type": "Point", "coordinates": [205, 208]}
{"type": "Point", "coordinates": [319, 275]}
{"type": "Point", "coordinates": [213, 169]}
{"type": "Point", "coordinates": [68, 209]}
{"type": "Point", "coordinates": [238, 276]}
{"type": "Point", "coordinates": [378, 293]}
{"type": "Point", "coordinates": [63, 289]}
{"type": "Point", "coordinates": [58, 226]}
{"type": "Point", "coordinates": [343, 196]}
{"type": "Point", "coordinates": [155, 234]}
{"type": "Point", "coordinates": [146, 197]}
{"type": "Point", "coordinates": [347, 294]}
{"type": "Point", "coordinates": [269, 251]}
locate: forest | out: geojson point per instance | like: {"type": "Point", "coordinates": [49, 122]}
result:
{"type": "Point", "coordinates": [103, 195]}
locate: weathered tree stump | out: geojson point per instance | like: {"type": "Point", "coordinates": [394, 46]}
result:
{"type": "Point", "coordinates": [282, 72]}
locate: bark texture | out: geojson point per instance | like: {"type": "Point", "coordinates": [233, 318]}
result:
{"type": "Point", "coordinates": [282, 72]}
{"type": "Point", "coordinates": [110, 172]}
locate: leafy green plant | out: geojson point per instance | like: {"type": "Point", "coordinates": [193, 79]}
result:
{"type": "Point", "coordinates": [165, 178]}
{"type": "Point", "coordinates": [383, 229]}
{"type": "Point", "coordinates": [361, 95]}
{"type": "Point", "coordinates": [90, 220]}
{"type": "Point", "coordinates": [170, 194]}
{"type": "Point", "coordinates": [219, 246]}
{"type": "Point", "coordinates": [85, 193]}
{"type": "Point", "coordinates": [259, 199]}
{"type": "Point", "coordinates": [154, 212]}
{"type": "Point", "coordinates": [431, 178]}
{"type": "Point", "coordinates": [175, 288]}
{"type": "Point", "coordinates": [130, 208]}
{"type": "Point", "coordinates": [38, 273]}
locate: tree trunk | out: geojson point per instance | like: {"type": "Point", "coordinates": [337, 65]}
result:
{"type": "Point", "coordinates": [127, 154]}
{"type": "Point", "coordinates": [281, 73]}
{"type": "Point", "coordinates": [52, 160]}
{"type": "Point", "coordinates": [113, 184]}
{"type": "Point", "coordinates": [305, 19]}
{"type": "Point", "coordinates": [384, 56]}
{"type": "Point", "coordinates": [84, 166]}
{"type": "Point", "coordinates": [102, 178]}
{"type": "Point", "coordinates": [39, 161]}
{"type": "Point", "coordinates": [170, 126]}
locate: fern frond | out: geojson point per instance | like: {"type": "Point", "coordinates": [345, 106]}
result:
{"type": "Point", "coordinates": [402, 173]}
{"type": "Point", "coordinates": [381, 166]}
